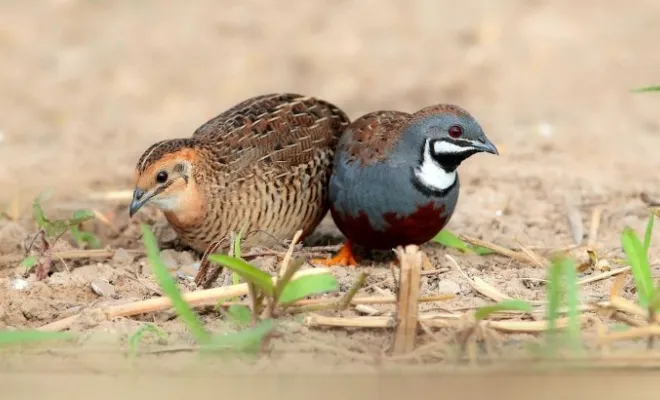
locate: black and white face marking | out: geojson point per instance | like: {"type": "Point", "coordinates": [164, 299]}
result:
{"type": "Point", "coordinates": [430, 173]}
{"type": "Point", "coordinates": [436, 172]}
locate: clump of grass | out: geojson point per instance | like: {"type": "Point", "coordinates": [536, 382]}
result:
{"type": "Point", "coordinates": [270, 298]}
{"type": "Point", "coordinates": [448, 239]}
{"type": "Point", "coordinates": [254, 328]}
{"type": "Point", "coordinates": [52, 230]}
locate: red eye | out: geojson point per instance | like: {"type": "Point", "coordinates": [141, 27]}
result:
{"type": "Point", "coordinates": [455, 131]}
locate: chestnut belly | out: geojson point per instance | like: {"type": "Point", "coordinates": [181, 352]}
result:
{"type": "Point", "coordinates": [416, 228]}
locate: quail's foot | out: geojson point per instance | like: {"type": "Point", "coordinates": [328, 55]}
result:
{"type": "Point", "coordinates": [344, 257]}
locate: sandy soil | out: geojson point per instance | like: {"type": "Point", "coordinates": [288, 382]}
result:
{"type": "Point", "coordinates": [87, 85]}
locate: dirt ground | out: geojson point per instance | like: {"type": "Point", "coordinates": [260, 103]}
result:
{"type": "Point", "coordinates": [86, 86]}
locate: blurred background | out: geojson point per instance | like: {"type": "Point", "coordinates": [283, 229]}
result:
{"type": "Point", "coordinates": [87, 85]}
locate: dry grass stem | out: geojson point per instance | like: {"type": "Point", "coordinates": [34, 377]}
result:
{"type": "Point", "coordinates": [574, 220]}
{"type": "Point", "coordinates": [435, 321]}
{"type": "Point", "coordinates": [289, 253]}
{"type": "Point", "coordinates": [346, 300]}
{"type": "Point", "coordinates": [515, 255]}
{"type": "Point", "coordinates": [603, 275]}
{"type": "Point", "coordinates": [533, 257]}
{"type": "Point", "coordinates": [478, 284]}
{"type": "Point", "coordinates": [195, 299]}
{"type": "Point", "coordinates": [411, 261]}
{"type": "Point", "coordinates": [596, 216]}
{"type": "Point", "coordinates": [632, 333]}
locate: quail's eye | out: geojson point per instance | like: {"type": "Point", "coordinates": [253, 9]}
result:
{"type": "Point", "coordinates": [455, 131]}
{"type": "Point", "coordinates": [161, 177]}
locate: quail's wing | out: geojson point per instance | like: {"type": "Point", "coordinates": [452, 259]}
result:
{"type": "Point", "coordinates": [282, 130]}
{"type": "Point", "coordinates": [369, 138]}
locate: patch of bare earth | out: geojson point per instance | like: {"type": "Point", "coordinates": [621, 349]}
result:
{"type": "Point", "coordinates": [89, 85]}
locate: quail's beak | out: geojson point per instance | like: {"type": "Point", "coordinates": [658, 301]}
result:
{"type": "Point", "coordinates": [485, 145]}
{"type": "Point", "coordinates": [139, 199]}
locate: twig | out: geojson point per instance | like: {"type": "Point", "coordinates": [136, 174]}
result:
{"type": "Point", "coordinates": [372, 300]}
{"type": "Point", "coordinates": [646, 331]}
{"type": "Point", "coordinates": [627, 306]}
{"type": "Point", "coordinates": [480, 286]}
{"type": "Point", "coordinates": [435, 322]}
{"type": "Point", "coordinates": [604, 275]}
{"type": "Point", "coordinates": [518, 256]}
{"type": "Point", "coordinates": [411, 263]}
{"type": "Point", "coordinates": [574, 220]}
{"type": "Point", "coordinates": [596, 215]}
{"type": "Point", "coordinates": [289, 253]}
{"type": "Point", "coordinates": [535, 258]}
{"type": "Point", "coordinates": [195, 299]}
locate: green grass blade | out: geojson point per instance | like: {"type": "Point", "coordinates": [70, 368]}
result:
{"type": "Point", "coordinates": [134, 340]}
{"type": "Point", "coordinates": [448, 239]}
{"type": "Point", "coordinates": [168, 285]}
{"type": "Point", "coordinates": [555, 294]}
{"type": "Point", "coordinates": [8, 338]}
{"type": "Point", "coordinates": [248, 272]}
{"type": "Point", "coordinates": [306, 286]}
{"type": "Point", "coordinates": [654, 303]}
{"type": "Point", "coordinates": [649, 232]}
{"type": "Point", "coordinates": [654, 88]}
{"type": "Point", "coordinates": [572, 298]}
{"type": "Point", "coordinates": [639, 265]}
{"type": "Point", "coordinates": [240, 315]}
{"type": "Point", "coordinates": [504, 305]}
{"type": "Point", "coordinates": [247, 340]}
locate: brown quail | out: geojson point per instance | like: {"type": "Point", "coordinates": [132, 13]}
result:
{"type": "Point", "coordinates": [262, 166]}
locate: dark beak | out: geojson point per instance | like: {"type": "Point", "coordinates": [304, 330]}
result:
{"type": "Point", "coordinates": [139, 199]}
{"type": "Point", "coordinates": [487, 146]}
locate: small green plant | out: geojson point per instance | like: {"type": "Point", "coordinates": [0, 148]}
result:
{"type": "Point", "coordinates": [283, 293]}
{"type": "Point", "coordinates": [134, 340]}
{"type": "Point", "coordinates": [82, 238]}
{"type": "Point", "coordinates": [50, 231]}
{"type": "Point", "coordinates": [448, 239]}
{"type": "Point", "coordinates": [254, 329]}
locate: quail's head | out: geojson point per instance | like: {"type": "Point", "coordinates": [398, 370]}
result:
{"type": "Point", "coordinates": [448, 134]}
{"type": "Point", "coordinates": [164, 178]}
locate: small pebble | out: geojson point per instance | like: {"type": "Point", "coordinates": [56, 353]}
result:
{"type": "Point", "coordinates": [169, 259]}
{"type": "Point", "coordinates": [447, 286]}
{"type": "Point", "coordinates": [19, 284]}
{"type": "Point", "coordinates": [102, 288]}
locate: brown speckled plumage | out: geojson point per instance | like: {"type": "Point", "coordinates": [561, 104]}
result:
{"type": "Point", "coordinates": [265, 162]}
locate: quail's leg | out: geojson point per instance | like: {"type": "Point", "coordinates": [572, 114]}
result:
{"type": "Point", "coordinates": [344, 257]}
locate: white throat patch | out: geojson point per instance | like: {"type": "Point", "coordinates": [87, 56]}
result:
{"type": "Point", "coordinates": [430, 173]}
